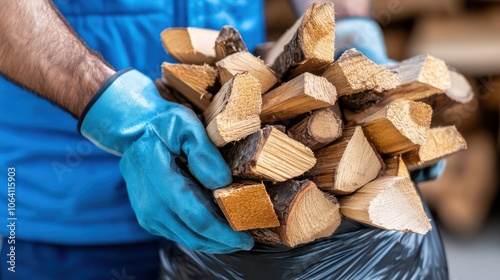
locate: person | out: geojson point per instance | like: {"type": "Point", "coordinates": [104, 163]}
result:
{"type": "Point", "coordinates": [92, 207]}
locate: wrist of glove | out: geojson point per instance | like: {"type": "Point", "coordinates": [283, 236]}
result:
{"type": "Point", "coordinates": [127, 117]}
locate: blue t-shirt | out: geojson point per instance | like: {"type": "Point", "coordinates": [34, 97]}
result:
{"type": "Point", "coordinates": [67, 190]}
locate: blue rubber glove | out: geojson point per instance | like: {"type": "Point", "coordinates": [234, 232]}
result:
{"type": "Point", "coordinates": [127, 117]}
{"type": "Point", "coordinates": [365, 35]}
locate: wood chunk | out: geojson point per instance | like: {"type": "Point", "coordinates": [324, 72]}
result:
{"type": "Point", "coordinates": [319, 129]}
{"type": "Point", "coordinates": [305, 214]}
{"type": "Point", "coordinates": [270, 155]}
{"type": "Point", "coordinates": [304, 93]}
{"type": "Point", "coordinates": [193, 81]}
{"type": "Point", "coordinates": [312, 45]}
{"type": "Point", "coordinates": [228, 42]}
{"type": "Point", "coordinates": [245, 61]}
{"type": "Point", "coordinates": [388, 203]}
{"type": "Point", "coordinates": [190, 45]}
{"type": "Point", "coordinates": [347, 164]}
{"type": "Point", "coordinates": [246, 206]}
{"type": "Point", "coordinates": [440, 142]}
{"type": "Point", "coordinates": [395, 166]}
{"type": "Point", "coordinates": [359, 81]}
{"type": "Point", "coordinates": [234, 112]}
{"type": "Point", "coordinates": [400, 127]}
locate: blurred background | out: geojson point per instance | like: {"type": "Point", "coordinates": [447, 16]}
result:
{"type": "Point", "coordinates": [465, 34]}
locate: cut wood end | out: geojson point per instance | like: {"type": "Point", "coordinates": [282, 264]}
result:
{"type": "Point", "coordinates": [388, 203]}
{"type": "Point", "coordinates": [355, 73]}
{"type": "Point", "coordinates": [246, 206]}
{"type": "Point", "coordinates": [190, 45]}
{"type": "Point", "coordinates": [460, 90]}
{"type": "Point", "coordinates": [435, 73]}
{"type": "Point", "coordinates": [412, 119]}
{"type": "Point", "coordinates": [398, 207]}
{"type": "Point", "coordinates": [200, 77]}
{"type": "Point", "coordinates": [317, 33]}
{"type": "Point", "coordinates": [325, 118]}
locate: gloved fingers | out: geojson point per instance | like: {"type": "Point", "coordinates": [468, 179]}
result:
{"type": "Point", "coordinates": [365, 35]}
{"type": "Point", "coordinates": [184, 133]}
{"type": "Point", "coordinates": [169, 203]}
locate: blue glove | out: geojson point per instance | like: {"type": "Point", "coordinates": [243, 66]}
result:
{"type": "Point", "coordinates": [127, 117]}
{"type": "Point", "coordinates": [429, 173]}
{"type": "Point", "coordinates": [365, 35]}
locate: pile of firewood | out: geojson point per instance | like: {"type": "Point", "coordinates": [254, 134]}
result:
{"type": "Point", "coordinates": [309, 139]}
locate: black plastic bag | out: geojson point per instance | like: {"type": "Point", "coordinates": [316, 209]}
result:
{"type": "Point", "coordinates": [354, 251]}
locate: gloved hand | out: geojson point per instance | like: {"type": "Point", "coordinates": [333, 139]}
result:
{"type": "Point", "coordinates": [366, 36]}
{"type": "Point", "coordinates": [128, 117]}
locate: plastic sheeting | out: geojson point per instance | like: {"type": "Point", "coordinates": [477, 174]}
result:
{"type": "Point", "coordinates": [354, 251]}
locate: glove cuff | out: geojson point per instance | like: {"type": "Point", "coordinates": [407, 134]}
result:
{"type": "Point", "coordinates": [98, 94]}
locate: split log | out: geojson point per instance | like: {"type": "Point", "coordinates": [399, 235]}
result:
{"type": "Point", "coordinates": [190, 45]}
{"type": "Point", "coordinates": [400, 127]}
{"type": "Point", "coordinates": [194, 82]}
{"type": "Point", "coordinates": [245, 61]}
{"type": "Point", "coordinates": [440, 142]}
{"type": "Point", "coordinates": [234, 112]}
{"type": "Point", "coordinates": [347, 164]}
{"type": "Point", "coordinates": [395, 166]}
{"type": "Point", "coordinates": [228, 42]}
{"type": "Point", "coordinates": [422, 77]}
{"type": "Point", "coordinates": [270, 155]}
{"type": "Point", "coordinates": [319, 129]}
{"type": "Point", "coordinates": [304, 93]}
{"type": "Point", "coordinates": [388, 203]}
{"type": "Point", "coordinates": [312, 46]}
{"type": "Point", "coordinates": [305, 214]}
{"type": "Point", "coordinates": [246, 206]}
{"type": "Point", "coordinates": [359, 81]}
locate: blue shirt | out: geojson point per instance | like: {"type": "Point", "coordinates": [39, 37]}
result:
{"type": "Point", "coordinates": [67, 190]}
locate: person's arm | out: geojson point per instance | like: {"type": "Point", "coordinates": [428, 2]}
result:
{"type": "Point", "coordinates": [40, 52]}
{"type": "Point", "coordinates": [343, 8]}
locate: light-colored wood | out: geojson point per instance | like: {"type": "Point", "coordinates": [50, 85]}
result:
{"type": "Point", "coordinates": [319, 129]}
{"type": "Point", "coordinates": [311, 46]}
{"type": "Point", "coordinates": [395, 166]}
{"type": "Point", "coordinates": [304, 93]}
{"type": "Point", "coordinates": [400, 127]}
{"type": "Point", "coordinates": [234, 111]}
{"type": "Point", "coordinates": [347, 164]}
{"type": "Point", "coordinates": [190, 45]}
{"type": "Point", "coordinates": [359, 81]}
{"type": "Point", "coordinates": [440, 142]}
{"type": "Point", "coordinates": [269, 155]}
{"type": "Point", "coordinates": [245, 61]}
{"type": "Point", "coordinates": [192, 81]}
{"type": "Point", "coordinates": [388, 203]}
{"type": "Point", "coordinates": [246, 206]}
{"type": "Point", "coordinates": [228, 42]}
{"type": "Point", "coordinates": [305, 214]}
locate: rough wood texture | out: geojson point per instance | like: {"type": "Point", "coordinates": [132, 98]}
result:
{"type": "Point", "coordinates": [440, 142]}
{"type": "Point", "coordinates": [245, 61]}
{"type": "Point", "coordinates": [319, 129]}
{"type": "Point", "coordinates": [395, 166]}
{"type": "Point", "coordinates": [347, 164]}
{"type": "Point", "coordinates": [270, 155]}
{"type": "Point", "coordinates": [400, 127]}
{"type": "Point", "coordinates": [190, 45]}
{"type": "Point", "coordinates": [246, 206]}
{"type": "Point", "coordinates": [312, 45]}
{"type": "Point", "coordinates": [359, 81]}
{"type": "Point", "coordinates": [234, 112]}
{"type": "Point", "coordinates": [305, 214]}
{"type": "Point", "coordinates": [228, 42]}
{"type": "Point", "coordinates": [388, 203]}
{"type": "Point", "coordinates": [304, 93]}
{"type": "Point", "coordinates": [193, 81]}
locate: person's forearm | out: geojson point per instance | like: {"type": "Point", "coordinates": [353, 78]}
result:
{"type": "Point", "coordinates": [39, 51]}
{"type": "Point", "coordinates": [343, 8]}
